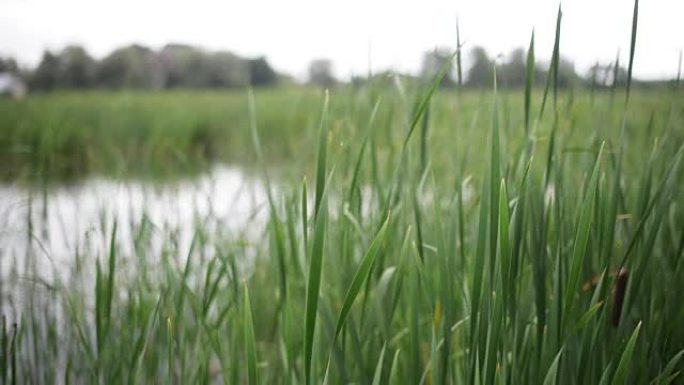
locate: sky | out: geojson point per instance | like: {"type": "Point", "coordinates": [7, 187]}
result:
{"type": "Point", "coordinates": [355, 34]}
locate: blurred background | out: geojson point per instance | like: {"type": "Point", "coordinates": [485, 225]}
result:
{"type": "Point", "coordinates": [205, 44]}
{"type": "Point", "coordinates": [157, 87]}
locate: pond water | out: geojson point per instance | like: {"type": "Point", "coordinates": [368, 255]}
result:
{"type": "Point", "coordinates": [53, 226]}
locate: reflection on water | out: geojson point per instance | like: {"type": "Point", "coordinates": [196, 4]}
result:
{"type": "Point", "coordinates": [54, 227]}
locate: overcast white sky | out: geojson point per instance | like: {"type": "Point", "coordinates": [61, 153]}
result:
{"type": "Point", "coordinates": [352, 33]}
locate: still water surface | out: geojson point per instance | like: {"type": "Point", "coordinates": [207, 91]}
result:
{"type": "Point", "coordinates": [52, 226]}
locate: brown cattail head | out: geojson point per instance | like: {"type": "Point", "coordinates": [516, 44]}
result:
{"type": "Point", "coordinates": [619, 295]}
{"type": "Point", "coordinates": [621, 278]}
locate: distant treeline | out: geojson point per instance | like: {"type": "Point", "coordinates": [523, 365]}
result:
{"type": "Point", "coordinates": [138, 67]}
{"type": "Point", "coordinates": [511, 71]}
{"type": "Point", "coordinates": [185, 66]}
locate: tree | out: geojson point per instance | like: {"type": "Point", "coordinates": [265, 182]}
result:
{"type": "Point", "coordinates": [433, 63]}
{"type": "Point", "coordinates": [130, 67]}
{"type": "Point", "coordinates": [607, 75]}
{"type": "Point", "coordinates": [182, 66]}
{"type": "Point", "coordinates": [76, 69]}
{"type": "Point", "coordinates": [481, 72]}
{"type": "Point", "coordinates": [190, 67]}
{"type": "Point", "coordinates": [566, 73]}
{"type": "Point", "coordinates": [512, 72]}
{"type": "Point", "coordinates": [261, 73]}
{"type": "Point", "coordinates": [71, 68]}
{"type": "Point", "coordinates": [135, 66]}
{"type": "Point", "coordinates": [321, 73]}
{"type": "Point", "coordinates": [45, 75]}
{"type": "Point", "coordinates": [8, 65]}
{"type": "Point", "coordinates": [224, 69]}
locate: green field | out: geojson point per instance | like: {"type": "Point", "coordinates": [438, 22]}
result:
{"type": "Point", "coordinates": [65, 136]}
{"type": "Point", "coordinates": [404, 256]}
{"type": "Point", "coordinates": [411, 236]}
{"type": "Point", "coordinates": [128, 134]}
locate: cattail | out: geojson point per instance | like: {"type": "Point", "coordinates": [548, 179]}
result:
{"type": "Point", "coordinates": [621, 278]}
{"type": "Point", "coordinates": [619, 295]}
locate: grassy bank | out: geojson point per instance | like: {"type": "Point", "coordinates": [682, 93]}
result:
{"type": "Point", "coordinates": [481, 238]}
{"type": "Point", "coordinates": [65, 136]}
{"type": "Point", "coordinates": [72, 135]}
{"type": "Point", "coordinates": [448, 249]}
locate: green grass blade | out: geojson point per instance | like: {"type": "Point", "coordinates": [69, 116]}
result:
{"type": "Point", "coordinates": [623, 366]}
{"type": "Point", "coordinates": [504, 251]}
{"type": "Point", "coordinates": [424, 129]}
{"type": "Point", "coordinates": [357, 167]}
{"type": "Point", "coordinates": [669, 368]}
{"type": "Point", "coordinates": [250, 340]}
{"type": "Point", "coordinates": [275, 222]}
{"type": "Point", "coordinates": [425, 100]}
{"type": "Point", "coordinates": [305, 216]}
{"type": "Point", "coordinates": [552, 75]}
{"type": "Point", "coordinates": [529, 83]}
{"type": "Point", "coordinates": [322, 156]}
{"type": "Point", "coordinates": [632, 47]}
{"type": "Point", "coordinates": [377, 376]}
{"type": "Point", "coordinates": [581, 239]}
{"type": "Point", "coordinates": [459, 68]}
{"type": "Point", "coordinates": [361, 275]}
{"type": "Point", "coordinates": [314, 283]}
{"type": "Point", "coordinates": [552, 373]}
{"type": "Point", "coordinates": [394, 369]}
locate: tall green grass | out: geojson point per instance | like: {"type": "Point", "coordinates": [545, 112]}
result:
{"type": "Point", "coordinates": [512, 242]}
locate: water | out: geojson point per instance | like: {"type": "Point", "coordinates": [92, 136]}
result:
{"type": "Point", "coordinates": [46, 230]}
